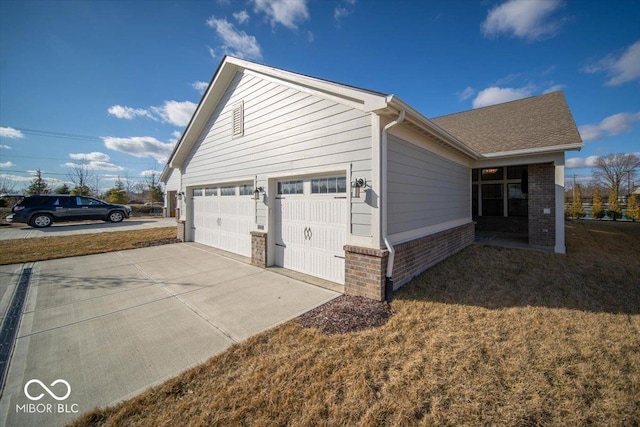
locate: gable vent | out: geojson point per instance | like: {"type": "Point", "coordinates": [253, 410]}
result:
{"type": "Point", "coordinates": [238, 119]}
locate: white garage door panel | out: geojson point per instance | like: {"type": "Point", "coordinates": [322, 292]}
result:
{"type": "Point", "coordinates": [311, 232]}
{"type": "Point", "coordinates": [224, 222]}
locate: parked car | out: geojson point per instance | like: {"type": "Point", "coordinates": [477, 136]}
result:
{"type": "Point", "coordinates": [43, 210]}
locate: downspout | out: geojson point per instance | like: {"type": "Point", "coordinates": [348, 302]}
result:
{"type": "Point", "coordinates": [388, 291]}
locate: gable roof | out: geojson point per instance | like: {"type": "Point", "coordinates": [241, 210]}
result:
{"type": "Point", "coordinates": [359, 98]}
{"type": "Point", "coordinates": [528, 126]}
{"type": "Point", "coordinates": [537, 124]}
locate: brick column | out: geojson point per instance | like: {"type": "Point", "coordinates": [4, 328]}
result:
{"type": "Point", "coordinates": [181, 230]}
{"type": "Point", "coordinates": [259, 249]}
{"type": "Point", "coordinates": [365, 272]}
{"type": "Point", "coordinates": [542, 204]}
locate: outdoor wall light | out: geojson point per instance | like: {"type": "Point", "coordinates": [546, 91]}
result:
{"type": "Point", "coordinates": [356, 185]}
{"type": "Point", "coordinates": [257, 192]}
{"type": "Point", "coordinates": [180, 195]}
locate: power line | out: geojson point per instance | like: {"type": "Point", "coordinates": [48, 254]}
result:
{"type": "Point", "coordinates": [63, 159]}
{"type": "Point", "coordinates": [52, 134]}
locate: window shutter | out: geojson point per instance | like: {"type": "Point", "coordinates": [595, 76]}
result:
{"type": "Point", "coordinates": [238, 119]}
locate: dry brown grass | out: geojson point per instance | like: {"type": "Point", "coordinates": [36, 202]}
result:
{"type": "Point", "coordinates": [491, 336]}
{"type": "Point", "coordinates": [39, 249]}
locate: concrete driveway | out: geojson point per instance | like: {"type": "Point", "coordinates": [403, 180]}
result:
{"type": "Point", "coordinates": [23, 231]}
{"type": "Point", "coordinates": [111, 325]}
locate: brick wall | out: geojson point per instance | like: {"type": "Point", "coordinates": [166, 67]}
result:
{"type": "Point", "coordinates": [259, 249]}
{"type": "Point", "coordinates": [365, 271]}
{"type": "Point", "coordinates": [365, 268]}
{"type": "Point", "coordinates": [414, 257]}
{"type": "Point", "coordinates": [542, 228]}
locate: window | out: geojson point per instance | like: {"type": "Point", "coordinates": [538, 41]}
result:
{"type": "Point", "coordinates": [228, 191]}
{"type": "Point", "coordinates": [211, 191]}
{"type": "Point", "coordinates": [492, 195]}
{"type": "Point", "coordinates": [334, 184]}
{"type": "Point", "coordinates": [86, 201]}
{"type": "Point", "coordinates": [492, 174]}
{"type": "Point", "coordinates": [474, 199]}
{"type": "Point", "coordinates": [238, 119]}
{"type": "Point", "coordinates": [474, 175]}
{"type": "Point", "coordinates": [290, 187]}
{"type": "Point", "coordinates": [518, 203]}
{"type": "Point", "coordinates": [198, 192]}
{"type": "Point", "coordinates": [516, 172]}
{"type": "Point", "coordinates": [246, 190]}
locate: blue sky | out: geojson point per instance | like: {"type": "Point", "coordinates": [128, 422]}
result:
{"type": "Point", "coordinates": [112, 84]}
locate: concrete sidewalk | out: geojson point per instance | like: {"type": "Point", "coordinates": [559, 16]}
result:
{"type": "Point", "coordinates": [85, 227]}
{"type": "Point", "coordinates": [113, 324]}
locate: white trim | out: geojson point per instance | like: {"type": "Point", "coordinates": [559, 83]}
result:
{"type": "Point", "coordinates": [223, 182]}
{"type": "Point", "coordinates": [376, 186]}
{"type": "Point", "coordinates": [516, 161]}
{"type": "Point", "coordinates": [529, 151]}
{"type": "Point", "coordinates": [418, 233]}
{"type": "Point", "coordinates": [559, 185]}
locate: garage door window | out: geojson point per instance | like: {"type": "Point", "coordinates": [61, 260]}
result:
{"type": "Point", "coordinates": [334, 184]}
{"type": "Point", "coordinates": [198, 192]}
{"type": "Point", "coordinates": [211, 191]}
{"type": "Point", "coordinates": [246, 190]}
{"type": "Point", "coordinates": [290, 187]}
{"type": "Point", "coordinates": [228, 191]}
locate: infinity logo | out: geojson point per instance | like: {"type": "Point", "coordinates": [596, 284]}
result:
{"type": "Point", "coordinates": [52, 394]}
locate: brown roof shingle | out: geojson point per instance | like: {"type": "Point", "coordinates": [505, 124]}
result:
{"type": "Point", "coordinates": [530, 123]}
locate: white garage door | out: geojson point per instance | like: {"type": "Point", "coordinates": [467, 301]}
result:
{"type": "Point", "coordinates": [222, 217]}
{"type": "Point", "coordinates": [311, 226]}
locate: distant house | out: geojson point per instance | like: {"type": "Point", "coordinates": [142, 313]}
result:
{"type": "Point", "coordinates": [355, 186]}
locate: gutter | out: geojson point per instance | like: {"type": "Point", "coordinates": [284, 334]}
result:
{"type": "Point", "coordinates": [388, 276]}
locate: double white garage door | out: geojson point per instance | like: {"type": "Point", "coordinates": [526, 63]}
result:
{"type": "Point", "coordinates": [310, 223]}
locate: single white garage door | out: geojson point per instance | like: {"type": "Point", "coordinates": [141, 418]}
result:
{"type": "Point", "coordinates": [222, 217]}
{"type": "Point", "coordinates": [311, 226]}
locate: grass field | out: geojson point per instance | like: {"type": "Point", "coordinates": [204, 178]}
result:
{"type": "Point", "coordinates": [28, 250]}
{"type": "Point", "coordinates": [491, 336]}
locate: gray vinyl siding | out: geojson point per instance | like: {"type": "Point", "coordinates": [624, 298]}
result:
{"type": "Point", "coordinates": [424, 188]}
{"type": "Point", "coordinates": [285, 131]}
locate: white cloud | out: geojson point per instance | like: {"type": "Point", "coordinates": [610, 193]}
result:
{"type": "Point", "coordinates": [7, 132]}
{"type": "Point", "coordinates": [340, 12]}
{"type": "Point", "coordinates": [200, 86]}
{"type": "Point", "coordinates": [525, 19]}
{"type": "Point", "coordinates": [176, 113]}
{"type": "Point", "coordinates": [5, 147]}
{"type": "Point", "coordinates": [212, 52]}
{"type": "Point", "coordinates": [150, 172]}
{"type": "Point", "coordinates": [93, 161]}
{"type": "Point", "coordinates": [242, 17]}
{"type": "Point", "coordinates": [234, 42]}
{"type": "Point", "coordinates": [554, 88]}
{"type": "Point", "coordinates": [579, 162]}
{"type": "Point", "coordinates": [621, 69]}
{"type": "Point", "coordinates": [497, 95]}
{"type": "Point", "coordinates": [7, 164]}
{"type": "Point", "coordinates": [467, 93]}
{"type": "Point", "coordinates": [140, 146]}
{"type": "Point", "coordinates": [609, 126]}
{"type": "Point", "coordinates": [129, 113]}
{"type": "Point", "coordinates": [289, 13]}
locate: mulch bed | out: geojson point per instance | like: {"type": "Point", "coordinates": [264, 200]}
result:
{"type": "Point", "coordinates": [157, 242]}
{"type": "Point", "coordinates": [346, 314]}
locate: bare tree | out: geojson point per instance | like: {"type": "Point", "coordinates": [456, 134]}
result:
{"type": "Point", "coordinates": [615, 170]}
{"type": "Point", "coordinates": [81, 176]}
{"type": "Point", "coordinates": [7, 186]}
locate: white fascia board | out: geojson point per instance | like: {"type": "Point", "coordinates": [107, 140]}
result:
{"type": "Point", "coordinates": [360, 99]}
{"type": "Point", "coordinates": [530, 151]}
{"type": "Point", "coordinates": [218, 85]}
{"type": "Point", "coordinates": [165, 174]}
{"type": "Point", "coordinates": [430, 127]}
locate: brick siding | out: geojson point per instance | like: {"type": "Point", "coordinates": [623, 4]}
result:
{"type": "Point", "coordinates": [416, 256]}
{"type": "Point", "coordinates": [365, 271]}
{"type": "Point", "coordinates": [259, 249]}
{"type": "Point", "coordinates": [365, 268]}
{"type": "Point", "coordinates": [542, 195]}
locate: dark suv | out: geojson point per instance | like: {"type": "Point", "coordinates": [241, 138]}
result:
{"type": "Point", "coordinates": [42, 211]}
